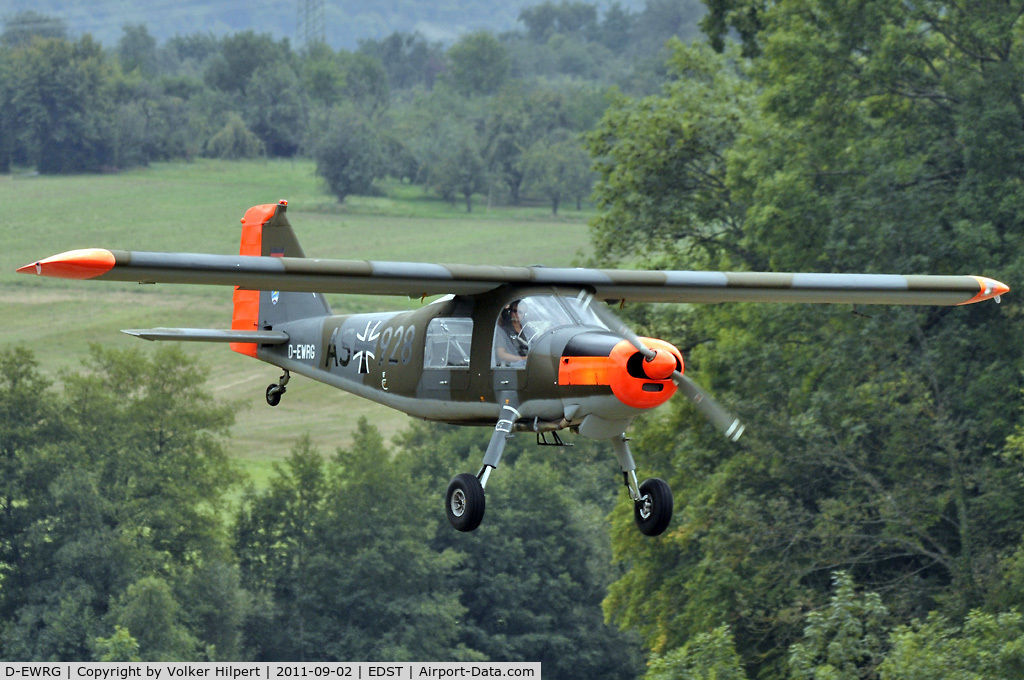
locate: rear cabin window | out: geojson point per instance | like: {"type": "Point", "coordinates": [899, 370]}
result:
{"type": "Point", "coordinates": [448, 343]}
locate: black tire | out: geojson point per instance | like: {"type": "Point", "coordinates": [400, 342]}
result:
{"type": "Point", "coordinates": [464, 503]}
{"type": "Point", "coordinates": [653, 511]}
{"type": "Point", "coordinates": [274, 394]}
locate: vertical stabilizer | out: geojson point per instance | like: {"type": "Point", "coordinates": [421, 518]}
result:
{"type": "Point", "coordinates": [266, 232]}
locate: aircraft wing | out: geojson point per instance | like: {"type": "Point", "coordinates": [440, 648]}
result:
{"type": "Point", "coordinates": [416, 279]}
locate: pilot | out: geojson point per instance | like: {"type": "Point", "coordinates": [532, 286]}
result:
{"type": "Point", "coordinates": [510, 347]}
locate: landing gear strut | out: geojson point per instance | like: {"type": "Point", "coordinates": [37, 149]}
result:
{"type": "Point", "coordinates": [465, 502]}
{"type": "Point", "coordinates": [652, 500]}
{"type": "Point", "coordinates": [274, 392]}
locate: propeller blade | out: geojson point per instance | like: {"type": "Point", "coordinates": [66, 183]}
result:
{"type": "Point", "coordinates": [617, 326]}
{"type": "Point", "coordinates": [724, 422]}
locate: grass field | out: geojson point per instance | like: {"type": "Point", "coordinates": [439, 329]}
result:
{"type": "Point", "coordinates": [196, 207]}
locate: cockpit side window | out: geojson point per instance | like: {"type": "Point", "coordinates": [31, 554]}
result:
{"type": "Point", "coordinates": [524, 320]}
{"type": "Point", "coordinates": [510, 343]}
{"type": "Point", "coordinates": [448, 343]}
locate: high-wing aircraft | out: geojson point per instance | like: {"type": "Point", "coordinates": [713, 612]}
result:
{"type": "Point", "coordinates": [517, 349]}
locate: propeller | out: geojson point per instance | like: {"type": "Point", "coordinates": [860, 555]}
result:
{"type": "Point", "coordinates": [725, 422]}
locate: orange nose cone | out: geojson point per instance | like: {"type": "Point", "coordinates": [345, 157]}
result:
{"type": "Point", "coordinates": [630, 380]}
{"type": "Point", "coordinates": [661, 366]}
{"type": "Point", "coordinates": [74, 264]}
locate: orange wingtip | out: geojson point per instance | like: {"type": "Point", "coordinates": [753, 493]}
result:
{"type": "Point", "coordinates": [74, 264]}
{"type": "Point", "coordinates": [990, 288]}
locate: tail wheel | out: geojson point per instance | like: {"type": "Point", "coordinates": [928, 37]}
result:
{"type": "Point", "coordinates": [653, 511]}
{"type": "Point", "coordinates": [464, 503]}
{"type": "Point", "coordinates": [274, 393]}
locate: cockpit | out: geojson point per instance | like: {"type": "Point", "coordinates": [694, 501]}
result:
{"type": "Point", "coordinates": [524, 320]}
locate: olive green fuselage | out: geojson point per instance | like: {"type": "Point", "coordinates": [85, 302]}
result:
{"type": "Point", "coordinates": [411, 362]}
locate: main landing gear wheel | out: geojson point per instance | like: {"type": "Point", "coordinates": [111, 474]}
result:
{"type": "Point", "coordinates": [653, 511]}
{"type": "Point", "coordinates": [464, 503]}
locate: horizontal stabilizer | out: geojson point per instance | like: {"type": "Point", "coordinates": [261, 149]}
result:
{"type": "Point", "coordinates": [209, 335]}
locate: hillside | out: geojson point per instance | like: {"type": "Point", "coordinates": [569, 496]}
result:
{"type": "Point", "coordinates": [346, 22]}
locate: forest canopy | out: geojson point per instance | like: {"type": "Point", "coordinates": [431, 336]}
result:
{"type": "Point", "coordinates": [490, 113]}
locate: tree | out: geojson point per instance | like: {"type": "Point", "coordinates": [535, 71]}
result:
{"type": "Point", "coordinates": [533, 575]}
{"type": "Point", "coordinates": [366, 84]}
{"type": "Point", "coordinates": [154, 445]}
{"type": "Point", "coordinates": [22, 27]}
{"type": "Point", "coordinates": [377, 589]}
{"type": "Point", "coordinates": [116, 509]}
{"type": "Point", "coordinates": [985, 646]}
{"type": "Point", "coordinates": [844, 641]}
{"type": "Point", "coordinates": [385, 590]}
{"type": "Point", "coordinates": [665, 20]}
{"type": "Point", "coordinates": [858, 141]}
{"type": "Point", "coordinates": [61, 95]}
{"type": "Point", "coordinates": [32, 432]}
{"type": "Point", "coordinates": [120, 646]}
{"type": "Point", "coordinates": [479, 64]}
{"type": "Point", "coordinates": [460, 172]}
{"type": "Point", "coordinates": [348, 153]}
{"type": "Point", "coordinates": [323, 75]}
{"type": "Point", "coordinates": [156, 122]}
{"type": "Point", "coordinates": [614, 31]}
{"type": "Point", "coordinates": [276, 543]}
{"type": "Point", "coordinates": [240, 56]}
{"type": "Point", "coordinates": [136, 50]}
{"type": "Point", "coordinates": [558, 170]}
{"type": "Point", "coordinates": [516, 120]}
{"type": "Point", "coordinates": [708, 656]}
{"type": "Point", "coordinates": [409, 59]}
{"type": "Point", "coordinates": [148, 611]}
{"type": "Point", "coordinates": [742, 16]}
{"type": "Point", "coordinates": [9, 143]}
{"type": "Point", "coordinates": [276, 108]}
{"type": "Point", "coordinates": [190, 52]}
{"type": "Point", "coordinates": [567, 18]}
{"type": "Point", "coordinates": [663, 164]}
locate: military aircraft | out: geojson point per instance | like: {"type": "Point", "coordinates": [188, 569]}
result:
{"type": "Point", "coordinates": [518, 349]}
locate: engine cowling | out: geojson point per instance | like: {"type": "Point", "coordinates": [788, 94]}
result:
{"type": "Point", "coordinates": [606, 359]}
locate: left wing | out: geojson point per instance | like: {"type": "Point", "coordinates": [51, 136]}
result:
{"type": "Point", "coordinates": [416, 279]}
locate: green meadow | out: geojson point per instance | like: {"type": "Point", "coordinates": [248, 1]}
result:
{"type": "Point", "coordinates": [196, 207]}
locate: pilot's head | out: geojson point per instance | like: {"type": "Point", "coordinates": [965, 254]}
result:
{"type": "Point", "coordinates": [510, 314]}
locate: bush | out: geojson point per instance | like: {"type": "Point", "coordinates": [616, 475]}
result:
{"type": "Point", "coordinates": [235, 141]}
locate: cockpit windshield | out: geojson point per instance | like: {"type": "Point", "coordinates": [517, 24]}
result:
{"type": "Point", "coordinates": [541, 313]}
{"type": "Point", "coordinates": [522, 321]}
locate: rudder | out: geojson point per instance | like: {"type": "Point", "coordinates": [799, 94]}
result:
{"type": "Point", "coordinates": [266, 232]}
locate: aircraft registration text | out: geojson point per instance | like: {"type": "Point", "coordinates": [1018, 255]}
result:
{"type": "Point", "coordinates": [302, 352]}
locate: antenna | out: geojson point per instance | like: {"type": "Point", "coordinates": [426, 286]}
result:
{"type": "Point", "coordinates": [310, 25]}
